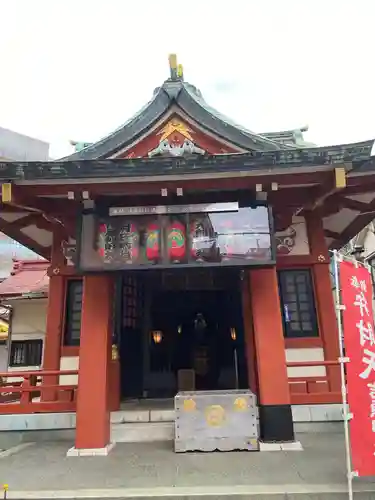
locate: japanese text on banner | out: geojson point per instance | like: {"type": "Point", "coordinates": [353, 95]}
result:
{"type": "Point", "coordinates": [359, 341]}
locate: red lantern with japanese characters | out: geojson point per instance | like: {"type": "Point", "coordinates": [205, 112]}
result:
{"type": "Point", "coordinates": [176, 238]}
{"type": "Point", "coordinates": [153, 242]}
{"type": "Point", "coordinates": [359, 342]}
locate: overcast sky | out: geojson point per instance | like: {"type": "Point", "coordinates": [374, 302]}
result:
{"type": "Point", "coordinates": [77, 69]}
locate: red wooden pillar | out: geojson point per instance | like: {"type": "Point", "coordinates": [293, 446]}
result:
{"type": "Point", "coordinates": [275, 414]}
{"type": "Point", "coordinates": [323, 288]}
{"type": "Point", "coordinates": [53, 338]}
{"type": "Point", "coordinates": [55, 318]}
{"type": "Point", "coordinates": [93, 416]}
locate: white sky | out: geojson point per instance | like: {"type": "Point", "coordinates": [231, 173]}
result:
{"type": "Point", "coordinates": [77, 69]}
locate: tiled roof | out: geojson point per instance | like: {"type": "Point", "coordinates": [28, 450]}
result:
{"type": "Point", "coordinates": [189, 99]}
{"type": "Point", "coordinates": [27, 277]}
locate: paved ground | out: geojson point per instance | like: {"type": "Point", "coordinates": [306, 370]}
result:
{"type": "Point", "coordinates": [44, 466]}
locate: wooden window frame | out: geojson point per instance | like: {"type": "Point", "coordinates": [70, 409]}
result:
{"type": "Point", "coordinates": [25, 343]}
{"type": "Point", "coordinates": [306, 340]}
{"type": "Point", "coordinates": [70, 346]}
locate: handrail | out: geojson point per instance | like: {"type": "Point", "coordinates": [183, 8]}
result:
{"type": "Point", "coordinates": [37, 391]}
{"type": "Point", "coordinates": [38, 373]}
{"type": "Point", "coordinates": [296, 364]}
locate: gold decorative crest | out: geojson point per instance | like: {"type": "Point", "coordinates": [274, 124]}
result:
{"type": "Point", "coordinates": [175, 126]}
{"type": "Point", "coordinates": [240, 404]}
{"type": "Point", "coordinates": [215, 415]}
{"type": "Point", "coordinates": [189, 405]}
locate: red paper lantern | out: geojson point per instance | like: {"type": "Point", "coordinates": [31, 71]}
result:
{"type": "Point", "coordinates": [153, 242]}
{"type": "Point", "coordinates": [176, 241]}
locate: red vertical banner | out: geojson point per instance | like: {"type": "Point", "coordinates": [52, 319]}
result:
{"type": "Point", "coordinates": [359, 342]}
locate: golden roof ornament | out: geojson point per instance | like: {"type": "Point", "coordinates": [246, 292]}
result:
{"type": "Point", "coordinates": [176, 70]}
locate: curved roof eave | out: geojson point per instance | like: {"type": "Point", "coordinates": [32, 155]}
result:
{"type": "Point", "coordinates": [189, 99]}
{"type": "Point", "coordinates": [137, 124]}
{"type": "Point", "coordinates": [197, 108]}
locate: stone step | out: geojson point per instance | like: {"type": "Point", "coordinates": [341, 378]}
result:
{"type": "Point", "coordinates": [142, 432]}
{"type": "Point", "coordinates": [136, 416]}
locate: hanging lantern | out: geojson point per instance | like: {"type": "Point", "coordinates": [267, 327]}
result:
{"type": "Point", "coordinates": [233, 334]}
{"type": "Point", "coordinates": [114, 352]}
{"type": "Point", "coordinates": [157, 336]}
{"type": "Point", "coordinates": [152, 242]}
{"type": "Point", "coordinates": [176, 241]}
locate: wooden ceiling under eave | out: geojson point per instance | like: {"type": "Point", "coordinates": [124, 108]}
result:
{"type": "Point", "coordinates": [33, 221]}
{"type": "Point", "coordinates": [41, 208]}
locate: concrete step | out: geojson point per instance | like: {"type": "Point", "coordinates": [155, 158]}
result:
{"type": "Point", "coordinates": [142, 432]}
{"type": "Point", "coordinates": [179, 493]}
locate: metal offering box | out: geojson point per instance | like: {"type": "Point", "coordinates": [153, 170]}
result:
{"type": "Point", "coordinates": [216, 420]}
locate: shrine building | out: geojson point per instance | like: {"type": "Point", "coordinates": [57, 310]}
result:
{"type": "Point", "coordinates": [187, 253]}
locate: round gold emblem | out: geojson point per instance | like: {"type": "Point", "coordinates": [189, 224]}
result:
{"type": "Point", "coordinates": [189, 405]}
{"type": "Point", "coordinates": [215, 415]}
{"type": "Point", "coordinates": [240, 404]}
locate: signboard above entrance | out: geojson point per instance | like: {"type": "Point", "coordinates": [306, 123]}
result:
{"type": "Point", "coordinates": [175, 236]}
{"type": "Point", "coordinates": [175, 209]}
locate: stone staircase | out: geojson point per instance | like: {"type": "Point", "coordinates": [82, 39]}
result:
{"type": "Point", "coordinates": [142, 425]}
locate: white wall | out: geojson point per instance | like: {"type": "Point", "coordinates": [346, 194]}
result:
{"type": "Point", "coordinates": [369, 243]}
{"type": "Point", "coordinates": [3, 358]}
{"type": "Point", "coordinates": [28, 323]}
{"type": "Point", "coordinates": [306, 354]}
{"type": "Point", "coordinates": [69, 363]}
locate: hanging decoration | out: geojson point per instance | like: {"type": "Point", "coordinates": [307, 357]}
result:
{"type": "Point", "coordinates": [153, 242]}
{"type": "Point", "coordinates": [176, 238]}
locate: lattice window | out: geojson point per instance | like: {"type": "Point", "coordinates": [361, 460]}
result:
{"type": "Point", "coordinates": [298, 305]}
{"type": "Point", "coordinates": [73, 313]}
{"type": "Point", "coordinates": [26, 352]}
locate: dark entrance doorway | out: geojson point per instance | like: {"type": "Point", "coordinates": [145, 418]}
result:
{"type": "Point", "coordinates": [189, 322]}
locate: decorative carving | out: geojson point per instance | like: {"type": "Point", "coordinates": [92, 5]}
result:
{"type": "Point", "coordinates": [293, 240]}
{"type": "Point", "coordinates": [285, 241]}
{"type": "Point", "coordinates": [165, 148]}
{"type": "Point", "coordinates": [69, 251]}
{"type": "Point", "coordinates": [176, 139]}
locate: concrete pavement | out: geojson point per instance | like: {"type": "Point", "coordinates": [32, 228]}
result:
{"type": "Point", "coordinates": [152, 469]}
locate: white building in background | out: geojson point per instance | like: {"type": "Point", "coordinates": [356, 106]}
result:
{"type": "Point", "coordinates": [365, 243]}
{"type": "Point", "coordinates": [19, 147]}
